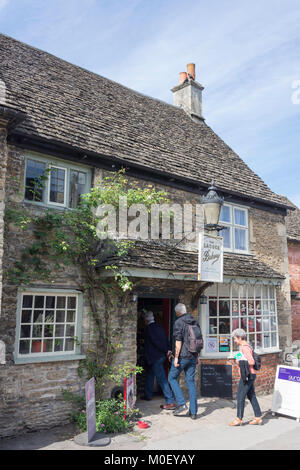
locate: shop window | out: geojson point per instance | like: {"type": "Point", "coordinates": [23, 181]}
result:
{"type": "Point", "coordinates": [236, 237]}
{"type": "Point", "coordinates": [252, 308]}
{"type": "Point", "coordinates": [55, 183]}
{"type": "Point", "coordinates": [48, 324]}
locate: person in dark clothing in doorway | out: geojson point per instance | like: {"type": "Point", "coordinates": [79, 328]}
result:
{"type": "Point", "coordinates": [156, 350]}
{"type": "Point", "coordinates": [184, 360]}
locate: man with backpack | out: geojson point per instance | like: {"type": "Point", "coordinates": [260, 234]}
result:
{"type": "Point", "coordinates": [188, 344]}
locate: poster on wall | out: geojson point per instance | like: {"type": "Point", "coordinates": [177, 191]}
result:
{"type": "Point", "coordinates": [210, 258]}
{"type": "Point", "coordinates": [211, 345]}
{"type": "Point", "coordinates": [224, 343]}
{"type": "Point", "coordinates": [287, 391]}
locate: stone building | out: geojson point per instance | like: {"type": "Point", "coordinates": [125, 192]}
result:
{"type": "Point", "coordinates": [293, 236]}
{"type": "Point", "coordinates": [53, 113]}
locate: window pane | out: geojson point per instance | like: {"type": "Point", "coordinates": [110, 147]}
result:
{"type": "Point", "coordinates": [244, 324]}
{"type": "Point", "coordinates": [71, 316]}
{"type": "Point", "coordinates": [49, 316]}
{"type": "Point", "coordinates": [60, 331]}
{"type": "Point", "coordinates": [60, 316]}
{"type": "Point", "coordinates": [77, 187]}
{"type": "Point", "coordinates": [72, 302]}
{"type": "Point", "coordinates": [224, 308]}
{"type": "Point", "coordinates": [39, 301]}
{"type": "Point", "coordinates": [48, 331]}
{"type": "Point", "coordinates": [70, 343]}
{"type": "Point", "coordinates": [212, 308]}
{"type": "Point", "coordinates": [37, 331]}
{"type": "Point", "coordinates": [212, 326]}
{"type": "Point", "coordinates": [267, 341]}
{"type": "Point", "coordinates": [27, 301]}
{"type": "Point", "coordinates": [26, 316]}
{"type": "Point", "coordinates": [273, 340]}
{"type": "Point", "coordinates": [250, 307]}
{"type": "Point", "coordinates": [50, 301]}
{"type": "Point", "coordinates": [272, 305]}
{"type": "Point", "coordinates": [243, 310]}
{"type": "Point", "coordinates": [259, 341]}
{"type": "Point", "coordinates": [224, 325]}
{"type": "Point", "coordinates": [226, 234]}
{"type": "Point", "coordinates": [240, 217]}
{"type": "Point", "coordinates": [240, 239]}
{"type": "Point", "coordinates": [34, 180]}
{"type": "Point", "coordinates": [273, 323]}
{"type": "Point", "coordinates": [25, 332]}
{"type": "Point", "coordinates": [24, 347]}
{"type": "Point", "coordinates": [70, 330]}
{"type": "Point", "coordinates": [38, 316]}
{"type": "Point", "coordinates": [258, 324]}
{"type": "Point", "coordinates": [48, 343]}
{"type": "Point", "coordinates": [272, 292]}
{"type": "Point", "coordinates": [266, 324]}
{"type": "Point", "coordinates": [235, 308]}
{"type": "Point", "coordinates": [57, 185]}
{"type": "Point", "coordinates": [61, 302]}
{"type": "Point", "coordinates": [58, 345]}
{"type": "Point", "coordinates": [251, 324]}
{"type": "Point", "coordinates": [225, 215]}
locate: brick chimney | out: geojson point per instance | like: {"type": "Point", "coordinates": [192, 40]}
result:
{"type": "Point", "coordinates": [188, 94]}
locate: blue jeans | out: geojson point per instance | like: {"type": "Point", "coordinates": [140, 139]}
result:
{"type": "Point", "coordinates": [157, 370]}
{"type": "Point", "coordinates": [189, 367]}
{"type": "Point", "coordinates": [247, 390]}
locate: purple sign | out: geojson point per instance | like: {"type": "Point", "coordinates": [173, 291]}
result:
{"type": "Point", "coordinates": [292, 375]}
{"type": "Point", "coordinates": [90, 408]}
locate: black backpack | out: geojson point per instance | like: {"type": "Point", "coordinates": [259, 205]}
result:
{"type": "Point", "coordinates": [257, 360]}
{"type": "Point", "coordinates": [195, 339]}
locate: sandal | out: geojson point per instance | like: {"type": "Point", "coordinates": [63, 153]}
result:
{"type": "Point", "coordinates": [257, 421]}
{"type": "Point", "coordinates": [236, 422]}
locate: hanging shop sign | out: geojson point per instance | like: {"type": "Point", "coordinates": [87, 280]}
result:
{"type": "Point", "coordinates": [210, 258]}
{"type": "Point", "coordinates": [287, 392]}
{"type": "Point", "coordinates": [90, 408]}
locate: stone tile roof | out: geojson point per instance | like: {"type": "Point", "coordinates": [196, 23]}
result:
{"type": "Point", "coordinates": [70, 105]}
{"type": "Point", "coordinates": [158, 255]}
{"type": "Point", "coordinates": [292, 221]}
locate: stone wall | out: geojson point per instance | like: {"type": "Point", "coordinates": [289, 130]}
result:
{"type": "Point", "coordinates": [3, 167]}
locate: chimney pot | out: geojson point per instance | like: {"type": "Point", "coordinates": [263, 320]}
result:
{"type": "Point", "coordinates": [182, 77]}
{"type": "Point", "coordinates": [191, 70]}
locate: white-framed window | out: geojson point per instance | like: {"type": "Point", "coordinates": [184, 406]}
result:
{"type": "Point", "coordinates": [53, 182]}
{"type": "Point", "coordinates": [48, 323]}
{"type": "Point", "coordinates": [236, 235]}
{"type": "Point", "coordinates": [231, 306]}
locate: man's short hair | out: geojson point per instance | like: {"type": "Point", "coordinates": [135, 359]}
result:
{"type": "Point", "coordinates": [180, 308]}
{"type": "Point", "coordinates": [239, 333]}
{"type": "Point", "coordinates": [149, 316]}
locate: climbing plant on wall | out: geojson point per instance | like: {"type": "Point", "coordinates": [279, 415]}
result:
{"type": "Point", "coordinates": [62, 238]}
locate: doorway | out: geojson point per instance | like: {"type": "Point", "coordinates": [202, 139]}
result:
{"type": "Point", "coordinates": [163, 310]}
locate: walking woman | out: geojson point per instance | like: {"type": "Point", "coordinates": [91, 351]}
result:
{"type": "Point", "coordinates": [247, 378]}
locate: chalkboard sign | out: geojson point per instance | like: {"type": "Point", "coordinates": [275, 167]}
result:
{"type": "Point", "coordinates": [216, 381]}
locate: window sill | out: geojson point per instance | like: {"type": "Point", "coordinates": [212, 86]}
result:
{"type": "Point", "coordinates": [58, 358]}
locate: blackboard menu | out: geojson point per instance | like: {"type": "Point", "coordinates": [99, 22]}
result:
{"type": "Point", "coordinates": [216, 381]}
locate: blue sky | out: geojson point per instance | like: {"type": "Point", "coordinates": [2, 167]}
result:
{"type": "Point", "coordinates": [247, 56]}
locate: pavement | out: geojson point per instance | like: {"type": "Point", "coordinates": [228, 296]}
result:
{"type": "Point", "coordinates": [167, 432]}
